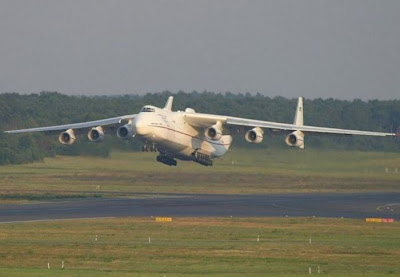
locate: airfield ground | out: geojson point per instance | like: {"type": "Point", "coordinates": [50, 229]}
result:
{"type": "Point", "coordinates": [254, 171]}
{"type": "Point", "coordinates": [199, 246]}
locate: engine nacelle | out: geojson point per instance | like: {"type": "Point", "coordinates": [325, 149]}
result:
{"type": "Point", "coordinates": [255, 135]}
{"type": "Point", "coordinates": [214, 132]}
{"type": "Point", "coordinates": [295, 139]}
{"type": "Point", "coordinates": [67, 137]}
{"type": "Point", "coordinates": [126, 132]}
{"type": "Point", "coordinates": [96, 134]}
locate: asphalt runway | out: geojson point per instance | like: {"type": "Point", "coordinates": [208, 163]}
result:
{"type": "Point", "coordinates": [355, 205]}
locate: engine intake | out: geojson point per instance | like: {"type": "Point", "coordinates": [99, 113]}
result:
{"type": "Point", "coordinates": [126, 132]}
{"type": "Point", "coordinates": [295, 139]}
{"type": "Point", "coordinates": [214, 132]}
{"type": "Point", "coordinates": [96, 134]}
{"type": "Point", "coordinates": [255, 135]}
{"type": "Point", "coordinates": [67, 137]}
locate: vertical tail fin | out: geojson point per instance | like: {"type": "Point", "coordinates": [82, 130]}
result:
{"type": "Point", "coordinates": [299, 121]}
{"type": "Point", "coordinates": [298, 116]}
{"type": "Point", "coordinates": [168, 105]}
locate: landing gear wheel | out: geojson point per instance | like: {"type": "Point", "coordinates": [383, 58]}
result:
{"type": "Point", "coordinates": [166, 160]}
{"type": "Point", "coordinates": [145, 148]}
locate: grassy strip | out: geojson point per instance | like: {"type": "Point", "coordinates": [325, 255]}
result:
{"type": "Point", "coordinates": [45, 196]}
{"type": "Point", "coordinates": [241, 171]}
{"type": "Point", "coordinates": [198, 246]}
{"type": "Point", "coordinates": [35, 272]}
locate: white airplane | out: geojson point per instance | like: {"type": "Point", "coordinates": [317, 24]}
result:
{"type": "Point", "coordinates": [187, 135]}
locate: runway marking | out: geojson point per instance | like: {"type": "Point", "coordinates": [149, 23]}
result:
{"type": "Point", "coordinates": [55, 219]}
{"type": "Point", "coordinates": [387, 206]}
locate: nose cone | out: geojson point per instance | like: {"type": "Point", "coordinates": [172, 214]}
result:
{"type": "Point", "coordinates": [141, 126]}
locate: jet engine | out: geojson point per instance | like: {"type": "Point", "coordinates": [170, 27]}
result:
{"type": "Point", "coordinates": [295, 139]}
{"type": "Point", "coordinates": [254, 135]}
{"type": "Point", "coordinates": [96, 134]}
{"type": "Point", "coordinates": [126, 132]}
{"type": "Point", "coordinates": [67, 137]}
{"type": "Point", "coordinates": [214, 132]}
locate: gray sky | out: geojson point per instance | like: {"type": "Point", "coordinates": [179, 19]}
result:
{"type": "Point", "coordinates": [342, 49]}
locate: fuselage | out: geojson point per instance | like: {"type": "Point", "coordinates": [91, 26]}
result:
{"type": "Point", "coordinates": [174, 137]}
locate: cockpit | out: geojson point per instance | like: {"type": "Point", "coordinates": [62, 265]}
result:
{"type": "Point", "coordinates": [148, 110]}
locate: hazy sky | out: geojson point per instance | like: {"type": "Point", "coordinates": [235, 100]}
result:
{"type": "Point", "coordinates": [342, 49]}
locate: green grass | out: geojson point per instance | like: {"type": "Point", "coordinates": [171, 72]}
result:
{"type": "Point", "coordinates": [254, 170]}
{"type": "Point", "coordinates": [44, 196]}
{"type": "Point", "coordinates": [200, 246]}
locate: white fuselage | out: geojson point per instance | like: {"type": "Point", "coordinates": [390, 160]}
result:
{"type": "Point", "coordinates": [174, 136]}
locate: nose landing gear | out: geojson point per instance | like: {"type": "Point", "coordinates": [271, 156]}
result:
{"type": "Point", "coordinates": [151, 148]}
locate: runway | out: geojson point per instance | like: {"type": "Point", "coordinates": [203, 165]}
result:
{"type": "Point", "coordinates": [354, 205]}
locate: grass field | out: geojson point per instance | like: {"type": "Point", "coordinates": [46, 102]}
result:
{"type": "Point", "coordinates": [254, 170]}
{"type": "Point", "coordinates": [199, 246]}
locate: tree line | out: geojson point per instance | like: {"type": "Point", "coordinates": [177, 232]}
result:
{"type": "Point", "coordinates": [51, 108]}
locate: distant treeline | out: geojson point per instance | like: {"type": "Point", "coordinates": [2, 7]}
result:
{"type": "Point", "coordinates": [51, 108]}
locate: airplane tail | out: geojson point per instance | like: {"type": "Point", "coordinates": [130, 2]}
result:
{"type": "Point", "coordinates": [296, 138]}
{"type": "Point", "coordinates": [298, 117]}
{"type": "Point", "coordinates": [168, 105]}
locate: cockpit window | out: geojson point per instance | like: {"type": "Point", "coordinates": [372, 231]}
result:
{"type": "Point", "coordinates": [148, 110]}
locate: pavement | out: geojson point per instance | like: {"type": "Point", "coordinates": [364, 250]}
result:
{"type": "Point", "coordinates": [346, 205]}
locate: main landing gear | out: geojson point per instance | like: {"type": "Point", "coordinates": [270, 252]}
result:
{"type": "Point", "coordinates": [202, 158]}
{"type": "Point", "coordinates": [165, 159]}
{"type": "Point", "coordinates": [162, 158]}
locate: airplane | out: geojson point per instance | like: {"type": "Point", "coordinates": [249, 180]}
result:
{"type": "Point", "coordinates": [188, 135]}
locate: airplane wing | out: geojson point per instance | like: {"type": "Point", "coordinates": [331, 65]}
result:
{"type": "Point", "coordinates": [293, 127]}
{"type": "Point", "coordinates": [207, 120]}
{"type": "Point", "coordinates": [106, 123]}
